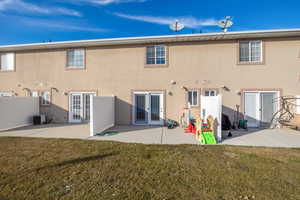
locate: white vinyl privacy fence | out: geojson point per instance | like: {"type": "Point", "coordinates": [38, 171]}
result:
{"type": "Point", "coordinates": [212, 105]}
{"type": "Point", "coordinates": [102, 114]}
{"type": "Point", "coordinates": [17, 111]}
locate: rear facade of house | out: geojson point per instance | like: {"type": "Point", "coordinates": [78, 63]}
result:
{"type": "Point", "coordinates": [155, 78]}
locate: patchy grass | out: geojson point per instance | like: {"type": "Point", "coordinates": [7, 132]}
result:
{"type": "Point", "coordinates": [79, 169]}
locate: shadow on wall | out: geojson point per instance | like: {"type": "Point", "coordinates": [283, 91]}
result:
{"type": "Point", "coordinates": [124, 116]}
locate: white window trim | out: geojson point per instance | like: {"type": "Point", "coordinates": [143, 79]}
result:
{"type": "Point", "coordinates": [192, 104]}
{"type": "Point", "coordinates": [250, 51]}
{"type": "Point", "coordinates": [155, 58]}
{"type": "Point", "coordinates": [75, 67]}
{"type": "Point", "coordinates": [14, 62]}
{"type": "Point", "coordinates": [209, 91]}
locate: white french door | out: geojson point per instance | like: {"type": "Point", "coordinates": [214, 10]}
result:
{"type": "Point", "coordinates": [79, 107]}
{"type": "Point", "coordinates": [260, 107]}
{"type": "Point", "coordinates": [148, 108]}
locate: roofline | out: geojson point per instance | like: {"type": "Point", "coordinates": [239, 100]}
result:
{"type": "Point", "coordinates": [156, 39]}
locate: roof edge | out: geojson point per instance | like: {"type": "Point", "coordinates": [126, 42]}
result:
{"type": "Point", "coordinates": [152, 39]}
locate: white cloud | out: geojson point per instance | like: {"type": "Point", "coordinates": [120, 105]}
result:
{"type": "Point", "coordinates": [103, 2]}
{"type": "Point", "coordinates": [106, 2]}
{"type": "Point", "coordinates": [188, 21]}
{"type": "Point", "coordinates": [24, 7]}
{"type": "Point", "coordinates": [59, 26]}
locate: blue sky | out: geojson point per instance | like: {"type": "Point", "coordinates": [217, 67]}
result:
{"type": "Point", "coordinates": [29, 21]}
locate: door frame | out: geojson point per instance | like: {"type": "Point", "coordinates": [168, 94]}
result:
{"type": "Point", "coordinates": [259, 109]}
{"type": "Point", "coordinates": [148, 93]}
{"type": "Point", "coordinates": [70, 120]}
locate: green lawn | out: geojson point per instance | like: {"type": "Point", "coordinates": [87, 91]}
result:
{"type": "Point", "coordinates": [78, 169]}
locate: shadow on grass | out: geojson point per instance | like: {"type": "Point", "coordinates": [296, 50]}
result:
{"type": "Point", "coordinates": [77, 161]}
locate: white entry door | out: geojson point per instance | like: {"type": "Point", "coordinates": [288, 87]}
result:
{"type": "Point", "coordinates": [260, 107]}
{"type": "Point", "coordinates": [79, 109]}
{"type": "Point", "coordinates": [148, 108]}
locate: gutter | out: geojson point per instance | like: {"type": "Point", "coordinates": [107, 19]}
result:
{"type": "Point", "coordinates": [279, 33]}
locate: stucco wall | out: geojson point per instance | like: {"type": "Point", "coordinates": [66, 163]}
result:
{"type": "Point", "coordinates": [17, 111]}
{"type": "Point", "coordinates": [102, 114]}
{"type": "Point", "coordinates": [120, 69]}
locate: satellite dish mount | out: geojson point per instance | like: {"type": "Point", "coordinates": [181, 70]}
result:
{"type": "Point", "coordinates": [226, 23]}
{"type": "Point", "coordinates": [177, 26]}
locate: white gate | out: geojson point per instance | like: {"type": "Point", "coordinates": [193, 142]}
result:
{"type": "Point", "coordinates": [212, 105]}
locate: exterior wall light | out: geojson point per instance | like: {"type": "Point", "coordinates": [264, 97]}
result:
{"type": "Point", "coordinates": [184, 88]}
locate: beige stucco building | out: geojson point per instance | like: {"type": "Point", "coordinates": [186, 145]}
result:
{"type": "Point", "coordinates": [154, 78]}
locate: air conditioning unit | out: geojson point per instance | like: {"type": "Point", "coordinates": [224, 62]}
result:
{"type": "Point", "coordinates": [39, 119]}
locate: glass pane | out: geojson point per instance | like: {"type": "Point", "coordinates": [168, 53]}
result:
{"type": "Point", "coordinates": [150, 61]}
{"type": "Point", "coordinates": [206, 93]}
{"type": "Point", "coordinates": [7, 61]}
{"type": "Point", "coordinates": [76, 107]}
{"type": "Point", "coordinates": [46, 98]}
{"type": "Point", "coordinates": [244, 52]}
{"type": "Point", "coordinates": [151, 55]}
{"type": "Point", "coordinates": [268, 108]}
{"type": "Point", "coordinates": [87, 106]}
{"type": "Point", "coordinates": [140, 101]}
{"type": "Point", "coordinates": [5, 94]}
{"type": "Point", "coordinates": [195, 98]}
{"type": "Point", "coordinates": [251, 108]}
{"type": "Point", "coordinates": [76, 58]}
{"type": "Point", "coordinates": [212, 93]}
{"type": "Point", "coordinates": [190, 98]}
{"type": "Point", "coordinates": [155, 107]}
{"type": "Point", "coordinates": [255, 51]}
{"type": "Point", "coordinates": [160, 55]}
{"type": "Point", "coordinates": [160, 61]}
{"type": "Point", "coordinates": [34, 94]}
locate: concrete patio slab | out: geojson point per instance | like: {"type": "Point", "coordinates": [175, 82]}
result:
{"type": "Point", "coordinates": [265, 137]}
{"type": "Point", "coordinates": [128, 134]}
{"type": "Point", "coordinates": [159, 135]}
{"type": "Point", "coordinates": [77, 131]}
{"type": "Point", "coordinates": [149, 135]}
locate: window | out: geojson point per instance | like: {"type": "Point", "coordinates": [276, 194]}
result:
{"type": "Point", "coordinates": [45, 99]}
{"type": "Point", "coordinates": [251, 51]}
{"type": "Point", "coordinates": [193, 98]}
{"type": "Point", "coordinates": [34, 93]}
{"type": "Point", "coordinates": [5, 94]}
{"type": "Point", "coordinates": [156, 55]}
{"type": "Point", "coordinates": [210, 93]}
{"type": "Point", "coordinates": [7, 62]}
{"type": "Point", "coordinates": [75, 58]}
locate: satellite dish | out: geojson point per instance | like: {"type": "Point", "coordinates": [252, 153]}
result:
{"type": "Point", "coordinates": [176, 26]}
{"type": "Point", "coordinates": [225, 23]}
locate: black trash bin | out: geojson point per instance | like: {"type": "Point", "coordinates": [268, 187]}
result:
{"type": "Point", "coordinates": [37, 120]}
